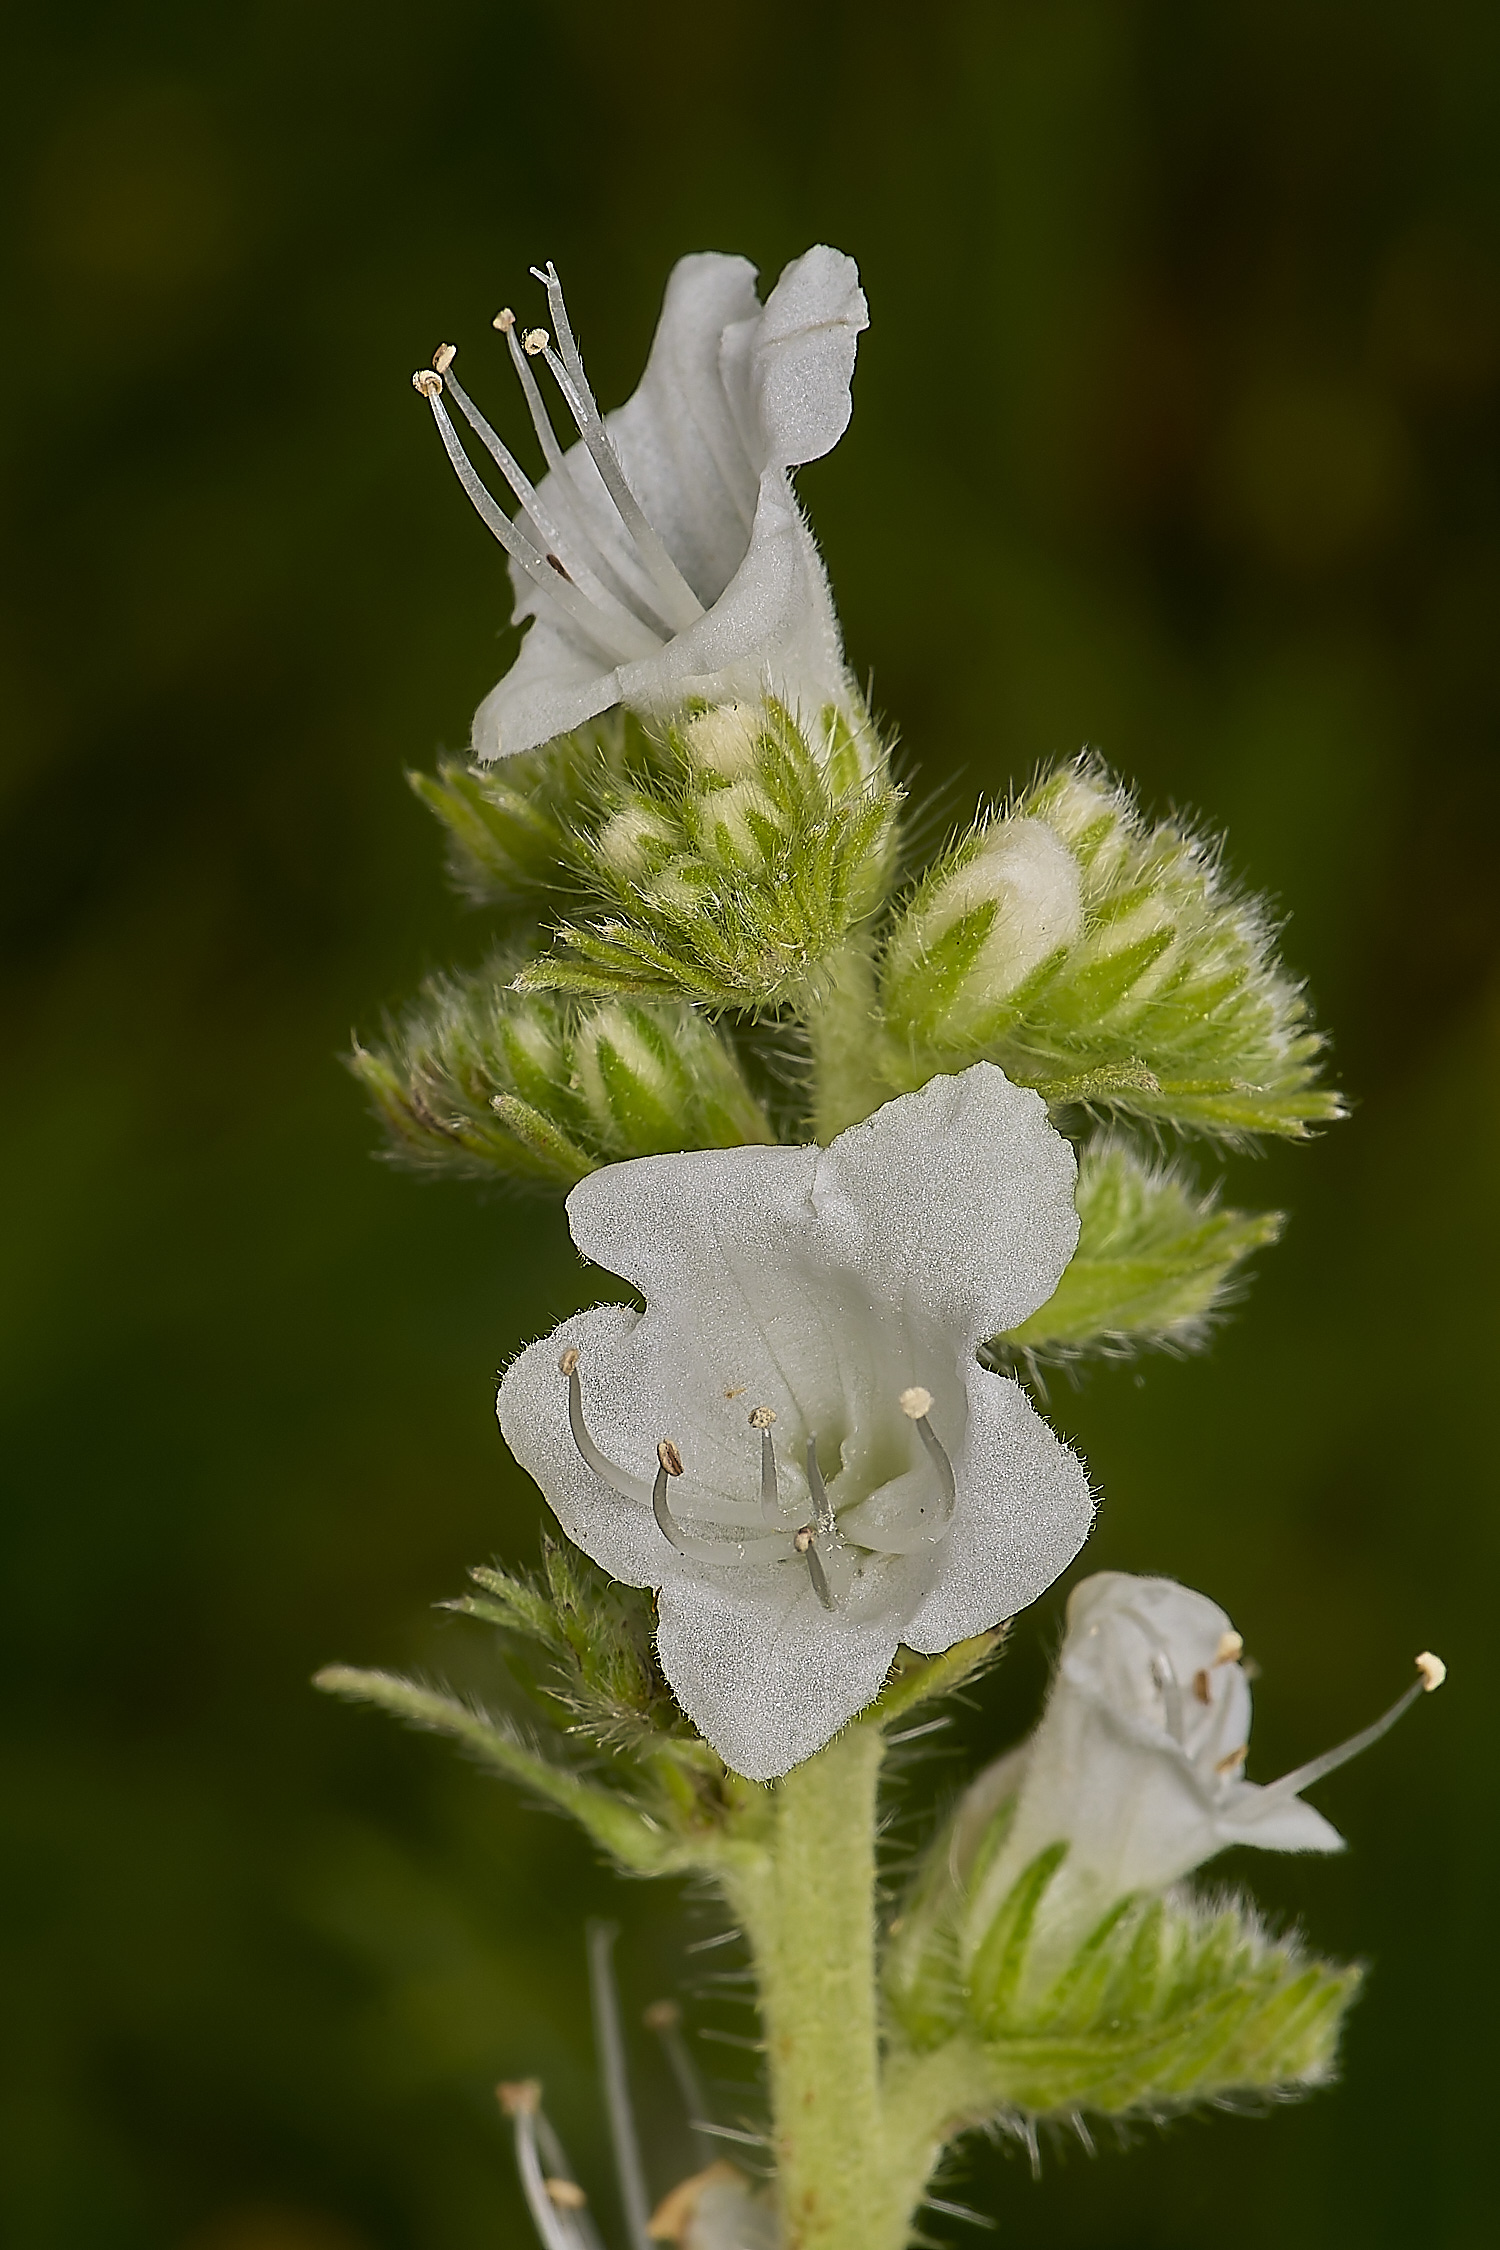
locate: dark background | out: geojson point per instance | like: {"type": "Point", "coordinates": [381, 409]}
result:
{"type": "Point", "coordinates": [1175, 433]}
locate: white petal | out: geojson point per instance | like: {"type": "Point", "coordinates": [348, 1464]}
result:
{"type": "Point", "coordinates": [677, 437]}
{"type": "Point", "coordinates": [788, 371]}
{"type": "Point", "coordinates": [767, 1681]}
{"type": "Point", "coordinates": [554, 685]}
{"type": "Point", "coordinates": [1274, 1824]}
{"type": "Point", "coordinates": [1026, 1511]}
{"type": "Point", "coordinates": [960, 1195]}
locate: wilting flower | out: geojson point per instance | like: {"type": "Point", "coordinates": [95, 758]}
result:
{"type": "Point", "coordinates": [663, 557]}
{"type": "Point", "coordinates": [795, 1442]}
{"type": "Point", "coordinates": [1138, 1763]}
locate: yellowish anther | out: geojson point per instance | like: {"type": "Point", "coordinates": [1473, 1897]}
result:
{"type": "Point", "coordinates": [672, 2220]}
{"type": "Point", "coordinates": [662, 2015]}
{"type": "Point", "coordinates": [425, 381]}
{"type": "Point", "coordinates": [1201, 1687]}
{"type": "Point", "coordinates": [738, 1391]}
{"type": "Point", "coordinates": [1235, 1758]}
{"type": "Point", "coordinates": [916, 1403]}
{"type": "Point", "coordinates": [504, 320]}
{"type": "Point", "coordinates": [1433, 1670]}
{"type": "Point", "coordinates": [803, 1539]}
{"type": "Point", "coordinates": [567, 2195]}
{"type": "Point", "coordinates": [669, 1457]}
{"type": "Point", "coordinates": [568, 1362]}
{"type": "Point", "coordinates": [519, 2097]}
{"type": "Point", "coordinates": [1230, 1649]}
{"type": "Point", "coordinates": [761, 1417]}
{"type": "Point", "coordinates": [534, 341]}
{"type": "Point", "coordinates": [443, 357]}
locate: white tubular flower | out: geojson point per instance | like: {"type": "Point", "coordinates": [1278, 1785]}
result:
{"type": "Point", "coordinates": [1138, 1763]}
{"type": "Point", "coordinates": [795, 1442]}
{"type": "Point", "coordinates": [664, 557]}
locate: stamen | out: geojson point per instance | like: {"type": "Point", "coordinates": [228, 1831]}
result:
{"type": "Point", "coordinates": [819, 1491]}
{"type": "Point", "coordinates": [443, 358]}
{"type": "Point", "coordinates": [1235, 1758]}
{"type": "Point", "coordinates": [504, 320]}
{"type": "Point", "coordinates": [534, 341]}
{"type": "Point", "coordinates": [555, 2224]}
{"type": "Point", "coordinates": [633, 636]}
{"type": "Point", "coordinates": [1203, 1687]}
{"type": "Point", "coordinates": [1433, 1672]}
{"type": "Point", "coordinates": [664, 2017]}
{"type": "Point", "coordinates": [684, 606]}
{"type": "Point", "coordinates": [1231, 1648]}
{"type": "Point", "coordinates": [761, 1418]}
{"type": "Point", "coordinates": [806, 1544]}
{"type": "Point", "coordinates": [916, 1405]}
{"type": "Point", "coordinates": [618, 1479]}
{"type": "Point", "coordinates": [611, 2044]}
{"type": "Point", "coordinates": [584, 612]}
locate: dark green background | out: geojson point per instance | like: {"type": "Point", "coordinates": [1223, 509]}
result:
{"type": "Point", "coordinates": [1175, 433]}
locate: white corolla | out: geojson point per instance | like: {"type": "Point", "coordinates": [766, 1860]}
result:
{"type": "Point", "coordinates": [795, 1442]}
{"type": "Point", "coordinates": [663, 557]}
{"type": "Point", "coordinates": [1138, 1765]}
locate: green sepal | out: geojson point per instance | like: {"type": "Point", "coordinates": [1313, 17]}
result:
{"type": "Point", "coordinates": [1156, 1259]}
{"type": "Point", "coordinates": [996, 1971]}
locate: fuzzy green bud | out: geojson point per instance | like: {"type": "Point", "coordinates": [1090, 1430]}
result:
{"type": "Point", "coordinates": [480, 1080]}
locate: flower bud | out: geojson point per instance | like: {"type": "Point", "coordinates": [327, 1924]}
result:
{"type": "Point", "coordinates": [654, 1079]}
{"type": "Point", "coordinates": [983, 932]}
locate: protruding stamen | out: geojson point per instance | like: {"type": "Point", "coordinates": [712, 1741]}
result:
{"type": "Point", "coordinates": [1433, 1671]}
{"type": "Point", "coordinates": [610, 2041]}
{"type": "Point", "coordinates": [504, 320]}
{"type": "Point", "coordinates": [669, 1464]}
{"type": "Point", "coordinates": [916, 1405]}
{"type": "Point", "coordinates": [761, 1418]}
{"type": "Point", "coordinates": [430, 385]}
{"type": "Point", "coordinates": [806, 1544]}
{"type": "Point", "coordinates": [618, 1479]}
{"type": "Point", "coordinates": [551, 2214]}
{"type": "Point", "coordinates": [534, 342]}
{"type": "Point", "coordinates": [819, 1491]}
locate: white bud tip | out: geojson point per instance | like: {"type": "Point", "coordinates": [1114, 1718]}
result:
{"type": "Point", "coordinates": [427, 382]}
{"type": "Point", "coordinates": [669, 1457]}
{"type": "Point", "coordinates": [568, 1362]}
{"type": "Point", "coordinates": [1433, 1670]}
{"type": "Point", "coordinates": [504, 320]}
{"type": "Point", "coordinates": [916, 1403]}
{"type": "Point", "coordinates": [444, 356]}
{"type": "Point", "coordinates": [535, 340]}
{"type": "Point", "coordinates": [565, 2195]}
{"type": "Point", "coordinates": [1230, 1649]}
{"type": "Point", "coordinates": [761, 1417]}
{"type": "Point", "coordinates": [519, 2097]}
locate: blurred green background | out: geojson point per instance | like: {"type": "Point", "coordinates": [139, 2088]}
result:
{"type": "Point", "coordinates": [1176, 433]}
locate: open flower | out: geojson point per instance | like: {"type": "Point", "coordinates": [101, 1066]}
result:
{"type": "Point", "coordinates": [1138, 1763]}
{"type": "Point", "coordinates": [795, 1441]}
{"type": "Point", "coordinates": [664, 557]}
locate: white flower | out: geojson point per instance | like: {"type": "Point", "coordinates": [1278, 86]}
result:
{"type": "Point", "coordinates": [1138, 1763]}
{"type": "Point", "coordinates": [664, 556]}
{"type": "Point", "coordinates": [835, 1473]}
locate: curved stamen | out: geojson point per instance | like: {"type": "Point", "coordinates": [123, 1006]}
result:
{"type": "Point", "coordinates": [806, 1544]}
{"type": "Point", "coordinates": [553, 2215]}
{"type": "Point", "coordinates": [1433, 1672]}
{"type": "Point", "coordinates": [916, 1405]}
{"type": "Point", "coordinates": [757, 1548]}
{"type": "Point", "coordinates": [631, 627]}
{"type": "Point", "coordinates": [618, 1479]}
{"type": "Point", "coordinates": [761, 1418]}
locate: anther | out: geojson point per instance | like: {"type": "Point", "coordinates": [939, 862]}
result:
{"type": "Point", "coordinates": [916, 1404]}
{"type": "Point", "coordinates": [566, 2194]}
{"type": "Point", "coordinates": [806, 1544]}
{"type": "Point", "coordinates": [1433, 1670]}
{"type": "Point", "coordinates": [519, 2097]}
{"type": "Point", "coordinates": [669, 1464]}
{"type": "Point", "coordinates": [504, 320]}
{"type": "Point", "coordinates": [1203, 1687]}
{"type": "Point", "coordinates": [443, 357]}
{"type": "Point", "coordinates": [1231, 1648]}
{"type": "Point", "coordinates": [568, 1362]}
{"type": "Point", "coordinates": [535, 342]}
{"type": "Point", "coordinates": [1235, 1758]}
{"type": "Point", "coordinates": [761, 1418]}
{"type": "Point", "coordinates": [429, 384]}
{"type": "Point", "coordinates": [669, 1457]}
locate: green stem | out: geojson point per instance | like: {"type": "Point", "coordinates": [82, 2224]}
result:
{"type": "Point", "coordinates": [842, 1019]}
{"type": "Point", "coordinates": [808, 1905]}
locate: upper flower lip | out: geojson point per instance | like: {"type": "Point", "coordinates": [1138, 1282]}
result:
{"type": "Point", "coordinates": [820, 1284]}
{"type": "Point", "coordinates": [734, 395]}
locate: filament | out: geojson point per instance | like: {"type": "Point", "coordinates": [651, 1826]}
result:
{"type": "Point", "coordinates": [616, 2084]}
{"type": "Point", "coordinates": [1302, 1777]}
{"type": "Point", "coordinates": [618, 1479]}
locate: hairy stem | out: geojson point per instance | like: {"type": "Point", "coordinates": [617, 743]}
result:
{"type": "Point", "coordinates": [809, 1910]}
{"type": "Point", "coordinates": [841, 1017]}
